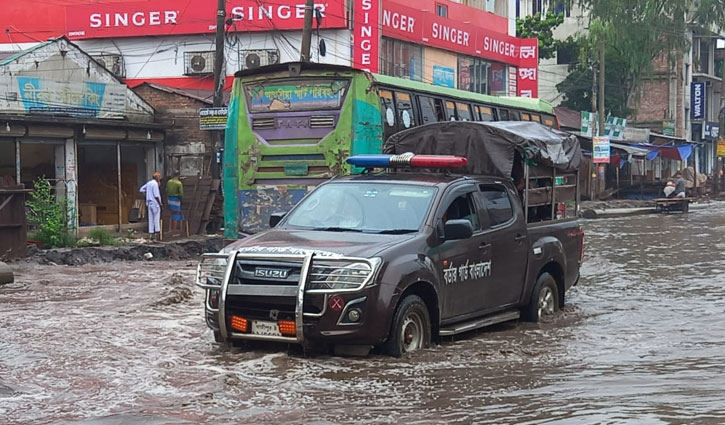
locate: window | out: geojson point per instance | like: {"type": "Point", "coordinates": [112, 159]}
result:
{"type": "Point", "coordinates": [484, 113]}
{"type": "Point", "coordinates": [525, 117]}
{"type": "Point", "coordinates": [442, 10]}
{"type": "Point", "coordinates": [503, 115]}
{"type": "Point", "coordinates": [401, 59]}
{"type": "Point", "coordinates": [497, 204]}
{"type": "Point", "coordinates": [405, 110]}
{"type": "Point", "coordinates": [535, 117]}
{"type": "Point", "coordinates": [463, 208]}
{"type": "Point", "coordinates": [387, 107]}
{"type": "Point", "coordinates": [479, 76]}
{"type": "Point", "coordinates": [431, 110]}
{"type": "Point", "coordinates": [549, 122]}
{"type": "Point", "coordinates": [537, 7]}
{"type": "Point", "coordinates": [451, 111]}
{"type": "Point", "coordinates": [560, 8]}
{"type": "Point", "coordinates": [464, 112]}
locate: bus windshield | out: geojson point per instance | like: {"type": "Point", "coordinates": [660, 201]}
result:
{"type": "Point", "coordinates": [363, 207]}
{"type": "Point", "coordinates": [295, 95]}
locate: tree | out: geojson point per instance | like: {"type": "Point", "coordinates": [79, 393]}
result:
{"type": "Point", "coordinates": [541, 29]}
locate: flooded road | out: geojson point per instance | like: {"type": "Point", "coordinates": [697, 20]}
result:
{"type": "Point", "coordinates": [641, 340]}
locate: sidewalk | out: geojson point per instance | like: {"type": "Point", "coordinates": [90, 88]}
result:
{"type": "Point", "coordinates": [180, 249]}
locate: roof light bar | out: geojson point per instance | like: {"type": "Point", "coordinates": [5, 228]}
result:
{"type": "Point", "coordinates": [407, 160]}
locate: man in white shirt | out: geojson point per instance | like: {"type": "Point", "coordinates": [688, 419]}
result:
{"type": "Point", "coordinates": [153, 204]}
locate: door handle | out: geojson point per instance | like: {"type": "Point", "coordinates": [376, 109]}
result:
{"type": "Point", "coordinates": [519, 237]}
{"type": "Point", "coordinates": [484, 245]}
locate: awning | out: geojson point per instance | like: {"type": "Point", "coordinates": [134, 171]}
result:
{"type": "Point", "coordinates": [676, 153]}
{"type": "Point", "coordinates": [632, 150]}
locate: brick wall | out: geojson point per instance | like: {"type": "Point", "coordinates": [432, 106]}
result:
{"type": "Point", "coordinates": [654, 104]}
{"type": "Point", "coordinates": [187, 146]}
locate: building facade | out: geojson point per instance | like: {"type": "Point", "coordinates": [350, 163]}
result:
{"type": "Point", "coordinates": [469, 45]}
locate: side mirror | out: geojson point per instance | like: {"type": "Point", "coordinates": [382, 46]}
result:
{"type": "Point", "coordinates": [457, 230]}
{"type": "Point", "coordinates": [275, 218]}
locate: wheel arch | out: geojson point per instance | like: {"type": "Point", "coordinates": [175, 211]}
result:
{"type": "Point", "coordinates": [557, 272]}
{"type": "Point", "coordinates": [426, 291]}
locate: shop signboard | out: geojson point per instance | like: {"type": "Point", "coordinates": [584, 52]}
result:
{"type": "Point", "coordinates": [697, 101]}
{"type": "Point", "coordinates": [213, 118]}
{"type": "Point", "coordinates": [366, 35]}
{"type": "Point", "coordinates": [614, 128]}
{"type": "Point", "coordinates": [712, 131]}
{"type": "Point", "coordinates": [721, 148]}
{"type": "Point", "coordinates": [589, 124]}
{"type": "Point", "coordinates": [668, 128]}
{"type": "Point", "coordinates": [444, 76]}
{"type": "Point", "coordinates": [601, 150]}
{"type": "Point", "coordinates": [177, 17]}
{"type": "Point", "coordinates": [80, 99]}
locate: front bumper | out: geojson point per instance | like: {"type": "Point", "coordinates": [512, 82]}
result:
{"type": "Point", "coordinates": [316, 313]}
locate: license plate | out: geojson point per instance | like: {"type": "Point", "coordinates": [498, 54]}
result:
{"type": "Point", "coordinates": [260, 327]}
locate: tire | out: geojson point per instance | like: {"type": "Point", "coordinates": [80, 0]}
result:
{"type": "Point", "coordinates": [544, 299]}
{"type": "Point", "coordinates": [218, 337]}
{"type": "Point", "coordinates": [411, 330]}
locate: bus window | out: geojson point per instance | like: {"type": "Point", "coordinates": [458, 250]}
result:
{"type": "Point", "coordinates": [503, 115]}
{"type": "Point", "coordinates": [431, 110]}
{"type": "Point", "coordinates": [549, 122]}
{"type": "Point", "coordinates": [404, 106]}
{"type": "Point", "coordinates": [514, 116]}
{"type": "Point", "coordinates": [451, 110]}
{"type": "Point", "coordinates": [535, 117]}
{"type": "Point", "coordinates": [387, 108]}
{"type": "Point", "coordinates": [464, 112]}
{"type": "Point", "coordinates": [486, 114]}
{"type": "Point", "coordinates": [525, 117]}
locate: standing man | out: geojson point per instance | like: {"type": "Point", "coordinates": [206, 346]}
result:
{"type": "Point", "coordinates": [153, 204]}
{"type": "Point", "coordinates": [174, 193]}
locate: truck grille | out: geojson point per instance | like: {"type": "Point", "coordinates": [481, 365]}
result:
{"type": "Point", "coordinates": [266, 273]}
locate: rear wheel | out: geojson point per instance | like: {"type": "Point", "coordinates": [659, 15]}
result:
{"type": "Point", "coordinates": [544, 299]}
{"type": "Point", "coordinates": [411, 329]}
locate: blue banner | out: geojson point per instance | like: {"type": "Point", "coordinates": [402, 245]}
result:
{"type": "Point", "coordinates": [443, 76]}
{"type": "Point", "coordinates": [698, 106]}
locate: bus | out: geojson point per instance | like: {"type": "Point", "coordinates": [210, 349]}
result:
{"type": "Point", "coordinates": [291, 126]}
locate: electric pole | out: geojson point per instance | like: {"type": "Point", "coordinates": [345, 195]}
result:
{"type": "Point", "coordinates": [717, 164]}
{"type": "Point", "coordinates": [219, 80]}
{"type": "Point", "coordinates": [307, 32]}
{"type": "Point", "coordinates": [601, 173]}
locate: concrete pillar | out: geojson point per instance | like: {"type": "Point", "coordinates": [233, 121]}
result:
{"type": "Point", "coordinates": [17, 161]}
{"type": "Point", "coordinates": [59, 156]}
{"type": "Point", "coordinates": [71, 180]}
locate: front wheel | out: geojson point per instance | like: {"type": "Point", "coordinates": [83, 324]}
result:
{"type": "Point", "coordinates": [411, 329]}
{"type": "Point", "coordinates": [544, 299]}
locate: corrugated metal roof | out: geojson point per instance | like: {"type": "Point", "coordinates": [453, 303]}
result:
{"type": "Point", "coordinates": [18, 55]}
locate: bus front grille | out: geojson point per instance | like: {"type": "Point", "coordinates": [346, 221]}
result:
{"type": "Point", "coordinates": [264, 123]}
{"type": "Point", "coordinates": [322, 121]}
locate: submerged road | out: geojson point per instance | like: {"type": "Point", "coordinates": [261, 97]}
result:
{"type": "Point", "coordinates": [641, 340]}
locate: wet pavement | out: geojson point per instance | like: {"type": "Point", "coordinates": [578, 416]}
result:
{"type": "Point", "coordinates": [641, 340]}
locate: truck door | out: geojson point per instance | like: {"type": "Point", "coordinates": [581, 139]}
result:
{"type": "Point", "coordinates": [461, 264]}
{"type": "Point", "coordinates": [507, 236]}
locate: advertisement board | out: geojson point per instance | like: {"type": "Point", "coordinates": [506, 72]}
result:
{"type": "Point", "coordinates": [698, 108]}
{"type": "Point", "coordinates": [601, 150]}
{"type": "Point", "coordinates": [213, 118]}
{"type": "Point", "coordinates": [366, 35]}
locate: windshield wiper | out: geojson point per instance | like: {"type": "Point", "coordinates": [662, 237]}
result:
{"type": "Point", "coordinates": [336, 229]}
{"type": "Point", "coordinates": [396, 231]}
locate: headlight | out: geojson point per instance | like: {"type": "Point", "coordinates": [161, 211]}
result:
{"type": "Point", "coordinates": [211, 270]}
{"type": "Point", "coordinates": [345, 275]}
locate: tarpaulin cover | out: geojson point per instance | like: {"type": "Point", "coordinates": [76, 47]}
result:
{"type": "Point", "coordinates": [490, 146]}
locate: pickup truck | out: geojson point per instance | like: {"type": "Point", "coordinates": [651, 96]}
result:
{"type": "Point", "coordinates": [396, 260]}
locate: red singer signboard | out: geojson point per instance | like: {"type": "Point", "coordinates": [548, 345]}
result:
{"type": "Point", "coordinates": [110, 19]}
{"type": "Point", "coordinates": [366, 47]}
{"type": "Point", "coordinates": [528, 72]}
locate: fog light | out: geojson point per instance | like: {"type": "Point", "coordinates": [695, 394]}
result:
{"type": "Point", "coordinates": [354, 315]}
{"type": "Point", "coordinates": [239, 324]}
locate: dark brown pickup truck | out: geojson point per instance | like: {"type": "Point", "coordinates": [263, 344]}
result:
{"type": "Point", "coordinates": [395, 260]}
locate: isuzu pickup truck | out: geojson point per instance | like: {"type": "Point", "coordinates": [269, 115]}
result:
{"type": "Point", "coordinates": [416, 247]}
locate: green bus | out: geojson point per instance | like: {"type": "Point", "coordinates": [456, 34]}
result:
{"type": "Point", "coordinates": [291, 126]}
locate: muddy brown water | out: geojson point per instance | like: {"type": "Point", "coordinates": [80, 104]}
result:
{"type": "Point", "coordinates": [641, 341]}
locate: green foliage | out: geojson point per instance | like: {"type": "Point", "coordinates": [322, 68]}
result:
{"type": "Point", "coordinates": [103, 237]}
{"type": "Point", "coordinates": [51, 215]}
{"type": "Point", "coordinates": [542, 29]}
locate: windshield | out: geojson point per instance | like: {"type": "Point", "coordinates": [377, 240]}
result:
{"type": "Point", "coordinates": [364, 207]}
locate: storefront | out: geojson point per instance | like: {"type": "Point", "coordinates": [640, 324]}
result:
{"type": "Point", "coordinates": [81, 129]}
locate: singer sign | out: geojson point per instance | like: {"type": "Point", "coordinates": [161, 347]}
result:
{"type": "Point", "coordinates": [366, 35]}
{"type": "Point", "coordinates": [174, 17]}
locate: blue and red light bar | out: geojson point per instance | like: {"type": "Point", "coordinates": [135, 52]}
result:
{"type": "Point", "coordinates": [407, 160]}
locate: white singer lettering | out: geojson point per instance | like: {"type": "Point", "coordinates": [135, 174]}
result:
{"type": "Point", "coordinates": [398, 21]}
{"type": "Point", "coordinates": [527, 52]}
{"type": "Point", "coordinates": [527, 93]}
{"type": "Point", "coordinates": [527, 74]}
{"type": "Point", "coordinates": [138, 19]}
{"type": "Point", "coordinates": [264, 12]}
{"type": "Point", "coordinates": [499, 47]}
{"type": "Point", "coordinates": [452, 35]}
{"type": "Point", "coordinates": [366, 34]}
